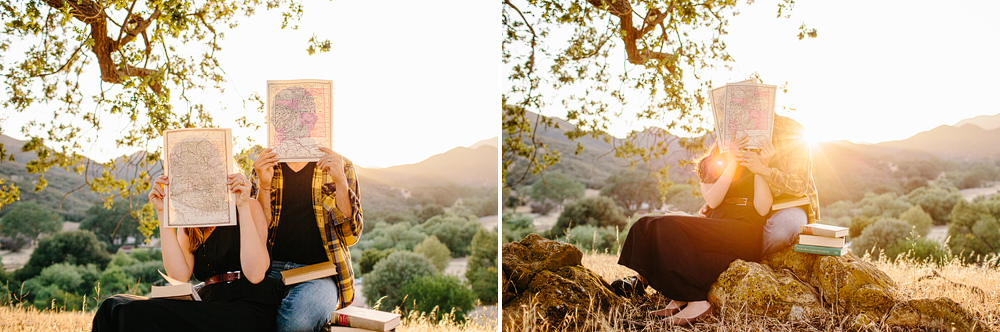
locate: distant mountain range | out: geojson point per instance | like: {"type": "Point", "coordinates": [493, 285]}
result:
{"type": "Point", "coordinates": [842, 168]}
{"type": "Point", "coordinates": [474, 166]}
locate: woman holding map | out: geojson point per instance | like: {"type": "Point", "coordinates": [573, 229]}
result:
{"type": "Point", "coordinates": [232, 262]}
{"type": "Point", "coordinates": [681, 256]}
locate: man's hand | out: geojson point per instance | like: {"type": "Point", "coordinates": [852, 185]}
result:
{"type": "Point", "coordinates": [264, 165]}
{"type": "Point", "coordinates": [333, 163]}
{"type": "Point", "coordinates": [756, 162]}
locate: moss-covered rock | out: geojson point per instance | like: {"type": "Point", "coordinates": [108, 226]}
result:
{"type": "Point", "coordinates": [546, 286]}
{"type": "Point", "coordinates": [790, 285]}
{"type": "Point", "coordinates": [758, 290]}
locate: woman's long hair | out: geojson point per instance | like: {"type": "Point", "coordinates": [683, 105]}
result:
{"type": "Point", "coordinates": [196, 236]}
{"type": "Point", "coordinates": [710, 165]}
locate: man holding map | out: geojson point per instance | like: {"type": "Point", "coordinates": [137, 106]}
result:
{"type": "Point", "coordinates": [786, 165]}
{"type": "Point", "coordinates": [309, 195]}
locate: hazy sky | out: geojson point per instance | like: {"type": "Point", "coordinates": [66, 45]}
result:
{"type": "Point", "coordinates": [879, 70]}
{"type": "Point", "coordinates": [410, 79]}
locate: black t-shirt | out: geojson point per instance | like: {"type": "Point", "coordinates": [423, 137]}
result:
{"type": "Point", "coordinates": [297, 238]}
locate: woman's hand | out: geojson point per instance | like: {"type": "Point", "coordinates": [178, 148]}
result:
{"type": "Point", "coordinates": [264, 165]}
{"type": "Point", "coordinates": [239, 185]}
{"type": "Point", "coordinates": [158, 191]}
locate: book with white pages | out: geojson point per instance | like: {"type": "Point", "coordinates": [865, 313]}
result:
{"type": "Point", "coordinates": [822, 241]}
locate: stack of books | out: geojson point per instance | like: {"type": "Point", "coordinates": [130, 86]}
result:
{"type": "Point", "coordinates": [357, 319]}
{"type": "Point", "coordinates": [822, 239]}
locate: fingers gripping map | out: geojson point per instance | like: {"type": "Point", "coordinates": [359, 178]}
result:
{"type": "Point", "coordinates": [299, 118]}
{"type": "Point", "coordinates": [197, 163]}
{"type": "Point", "coordinates": [743, 108]}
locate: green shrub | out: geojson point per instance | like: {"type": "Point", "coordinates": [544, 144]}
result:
{"type": "Point", "coordinates": [31, 220]}
{"type": "Point", "coordinates": [382, 285]}
{"type": "Point", "coordinates": [975, 228]}
{"type": "Point", "coordinates": [439, 294]}
{"type": "Point", "coordinates": [516, 226]}
{"type": "Point", "coordinates": [147, 254]}
{"type": "Point", "coordinates": [921, 251]}
{"type": "Point", "coordinates": [435, 251]}
{"type": "Point", "coordinates": [370, 257]}
{"type": "Point", "coordinates": [144, 272]}
{"type": "Point", "coordinates": [482, 266]}
{"type": "Point", "coordinates": [62, 285]}
{"type": "Point", "coordinates": [880, 235]}
{"type": "Point", "coordinates": [75, 248]}
{"type": "Point", "coordinates": [858, 225]}
{"type": "Point", "coordinates": [430, 210]}
{"type": "Point", "coordinates": [589, 238]}
{"type": "Point", "coordinates": [114, 280]}
{"type": "Point", "coordinates": [402, 236]}
{"type": "Point", "coordinates": [557, 187]}
{"type": "Point", "coordinates": [112, 226]}
{"type": "Point", "coordinates": [920, 220]}
{"type": "Point", "coordinates": [454, 231]}
{"type": "Point", "coordinates": [936, 201]}
{"type": "Point", "coordinates": [592, 211]}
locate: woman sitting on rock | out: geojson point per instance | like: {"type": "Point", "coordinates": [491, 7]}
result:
{"type": "Point", "coordinates": [681, 256]}
{"type": "Point", "coordinates": [232, 261]}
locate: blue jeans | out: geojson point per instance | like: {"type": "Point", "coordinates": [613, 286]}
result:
{"type": "Point", "coordinates": [781, 229]}
{"type": "Point", "coordinates": [307, 305]}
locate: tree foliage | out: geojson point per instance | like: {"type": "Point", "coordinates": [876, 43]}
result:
{"type": "Point", "coordinates": [112, 226]}
{"type": "Point", "coordinates": [631, 189]}
{"type": "Point", "coordinates": [454, 231]}
{"type": "Point", "coordinates": [663, 45]}
{"type": "Point", "coordinates": [482, 266]}
{"type": "Point", "coordinates": [31, 220]}
{"type": "Point", "coordinates": [142, 56]}
{"type": "Point", "coordinates": [557, 187]}
{"type": "Point", "coordinates": [435, 251]}
{"type": "Point", "coordinates": [881, 235]}
{"type": "Point", "coordinates": [975, 228]}
{"type": "Point", "coordinates": [936, 201]}
{"type": "Point", "coordinates": [516, 226]}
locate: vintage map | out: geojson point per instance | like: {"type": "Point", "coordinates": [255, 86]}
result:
{"type": "Point", "coordinates": [197, 163]}
{"type": "Point", "coordinates": [744, 108]}
{"type": "Point", "coordinates": [299, 117]}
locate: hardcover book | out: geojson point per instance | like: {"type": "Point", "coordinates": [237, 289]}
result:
{"type": "Point", "coordinates": [824, 230]}
{"type": "Point", "coordinates": [176, 289]}
{"type": "Point", "coordinates": [306, 273]}
{"type": "Point", "coordinates": [820, 250]}
{"type": "Point", "coordinates": [822, 241]}
{"type": "Point", "coordinates": [789, 202]}
{"type": "Point", "coordinates": [365, 318]}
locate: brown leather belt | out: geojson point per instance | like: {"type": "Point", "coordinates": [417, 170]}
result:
{"type": "Point", "coordinates": [225, 277]}
{"type": "Point", "coordinates": [736, 200]}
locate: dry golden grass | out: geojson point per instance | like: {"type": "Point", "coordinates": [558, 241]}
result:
{"type": "Point", "coordinates": [27, 318]}
{"type": "Point", "coordinates": [976, 288]}
{"type": "Point", "coordinates": [21, 318]}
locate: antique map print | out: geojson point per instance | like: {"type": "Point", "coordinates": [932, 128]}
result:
{"type": "Point", "coordinates": [197, 163]}
{"type": "Point", "coordinates": [299, 117]}
{"type": "Point", "coordinates": [747, 109]}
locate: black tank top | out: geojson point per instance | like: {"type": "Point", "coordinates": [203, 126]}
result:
{"type": "Point", "coordinates": [741, 187]}
{"type": "Point", "coordinates": [220, 254]}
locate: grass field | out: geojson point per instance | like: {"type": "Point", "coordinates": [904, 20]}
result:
{"type": "Point", "coordinates": [977, 289]}
{"type": "Point", "coordinates": [27, 318]}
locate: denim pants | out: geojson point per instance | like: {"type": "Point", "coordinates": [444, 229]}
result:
{"type": "Point", "coordinates": [782, 229]}
{"type": "Point", "coordinates": [307, 305]}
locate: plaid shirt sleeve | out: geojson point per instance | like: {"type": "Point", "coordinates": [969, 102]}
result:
{"type": "Point", "coordinates": [348, 226]}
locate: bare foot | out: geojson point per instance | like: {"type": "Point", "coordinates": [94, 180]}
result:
{"type": "Point", "coordinates": [692, 312]}
{"type": "Point", "coordinates": [671, 308]}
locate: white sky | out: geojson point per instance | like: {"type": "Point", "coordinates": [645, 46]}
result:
{"type": "Point", "coordinates": [411, 79]}
{"type": "Point", "coordinates": [879, 70]}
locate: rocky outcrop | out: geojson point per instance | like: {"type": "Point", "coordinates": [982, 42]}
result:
{"type": "Point", "coordinates": [545, 286]}
{"type": "Point", "coordinates": [795, 286]}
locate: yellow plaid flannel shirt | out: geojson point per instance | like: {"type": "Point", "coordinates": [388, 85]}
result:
{"type": "Point", "coordinates": [338, 231]}
{"type": "Point", "coordinates": [792, 166]}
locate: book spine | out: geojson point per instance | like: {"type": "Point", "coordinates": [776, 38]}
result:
{"type": "Point", "coordinates": [818, 250]}
{"type": "Point", "coordinates": [359, 322]}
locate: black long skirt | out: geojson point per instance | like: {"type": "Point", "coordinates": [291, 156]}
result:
{"type": "Point", "coordinates": [136, 313]}
{"type": "Point", "coordinates": [681, 256]}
